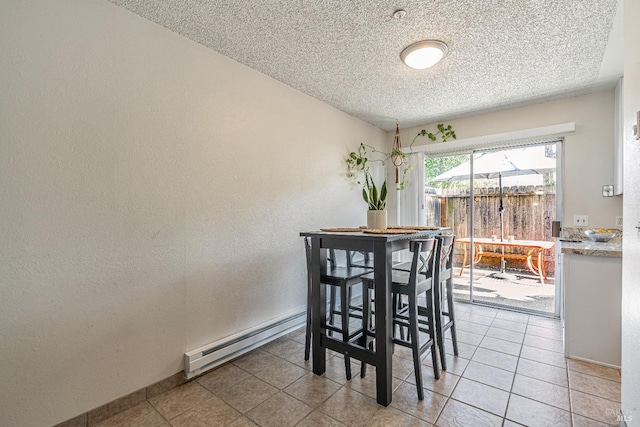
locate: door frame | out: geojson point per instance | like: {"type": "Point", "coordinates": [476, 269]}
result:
{"type": "Point", "coordinates": [532, 136]}
{"type": "Point", "coordinates": [559, 203]}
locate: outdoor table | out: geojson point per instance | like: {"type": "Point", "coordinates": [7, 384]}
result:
{"type": "Point", "coordinates": [534, 255]}
{"type": "Point", "coordinates": [382, 246]}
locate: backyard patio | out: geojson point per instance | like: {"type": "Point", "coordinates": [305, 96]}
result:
{"type": "Point", "coordinates": [514, 202]}
{"type": "Point", "coordinates": [518, 290]}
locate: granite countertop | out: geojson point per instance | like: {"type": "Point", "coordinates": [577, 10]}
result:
{"type": "Point", "coordinates": [584, 246]}
{"type": "Point", "coordinates": [608, 249]}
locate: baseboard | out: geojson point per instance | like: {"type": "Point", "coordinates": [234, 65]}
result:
{"type": "Point", "coordinates": [595, 362]}
{"type": "Point", "coordinates": [123, 403]}
{"type": "Point", "coordinates": [198, 362]}
{"type": "Point", "coordinates": [207, 357]}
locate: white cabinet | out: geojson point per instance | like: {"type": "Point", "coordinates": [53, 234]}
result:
{"type": "Point", "coordinates": [592, 307]}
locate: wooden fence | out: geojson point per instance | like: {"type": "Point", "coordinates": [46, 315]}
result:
{"type": "Point", "coordinates": [528, 212]}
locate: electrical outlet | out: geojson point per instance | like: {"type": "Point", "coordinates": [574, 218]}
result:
{"type": "Point", "coordinates": [618, 220]}
{"type": "Point", "coordinates": [581, 220]}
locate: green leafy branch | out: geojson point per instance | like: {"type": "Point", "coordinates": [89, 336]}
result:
{"type": "Point", "coordinates": [358, 166]}
{"type": "Point", "coordinates": [445, 133]}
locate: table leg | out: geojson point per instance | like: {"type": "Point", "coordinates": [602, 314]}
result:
{"type": "Point", "coordinates": [383, 322]}
{"type": "Point", "coordinates": [464, 260]}
{"type": "Point", "coordinates": [537, 268]}
{"type": "Point", "coordinates": [477, 253]}
{"type": "Point", "coordinates": [541, 266]}
{"type": "Point", "coordinates": [318, 306]}
{"type": "Point", "coordinates": [530, 265]}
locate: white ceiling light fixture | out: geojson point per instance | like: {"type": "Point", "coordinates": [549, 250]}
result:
{"type": "Point", "coordinates": [424, 54]}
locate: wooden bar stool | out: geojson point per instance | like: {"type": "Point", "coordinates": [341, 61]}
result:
{"type": "Point", "coordinates": [341, 279]}
{"type": "Point", "coordinates": [443, 287]}
{"type": "Point", "coordinates": [416, 318]}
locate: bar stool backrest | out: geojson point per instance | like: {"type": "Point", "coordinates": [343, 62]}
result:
{"type": "Point", "coordinates": [331, 257]}
{"type": "Point", "coordinates": [446, 244]}
{"type": "Point", "coordinates": [422, 262]}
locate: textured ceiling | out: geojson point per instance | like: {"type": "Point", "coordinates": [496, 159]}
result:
{"type": "Point", "coordinates": [502, 53]}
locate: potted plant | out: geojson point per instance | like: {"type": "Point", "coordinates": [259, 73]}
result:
{"type": "Point", "coordinates": [358, 169]}
{"type": "Point", "coordinates": [374, 196]}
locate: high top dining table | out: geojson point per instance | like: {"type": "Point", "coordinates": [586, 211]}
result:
{"type": "Point", "coordinates": [382, 246]}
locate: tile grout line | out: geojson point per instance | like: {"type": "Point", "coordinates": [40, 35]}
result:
{"type": "Point", "coordinates": [513, 381]}
{"type": "Point", "coordinates": [504, 417]}
{"type": "Point", "coordinates": [570, 394]}
{"type": "Point", "coordinates": [449, 397]}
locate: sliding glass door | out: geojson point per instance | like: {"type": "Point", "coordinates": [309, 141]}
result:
{"type": "Point", "coordinates": [500, 204]}
{"type": "Point", "coordinates": [447, 204]}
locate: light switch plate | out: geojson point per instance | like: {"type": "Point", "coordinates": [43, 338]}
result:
{"type": "Point", "coordinates": [618, 220]}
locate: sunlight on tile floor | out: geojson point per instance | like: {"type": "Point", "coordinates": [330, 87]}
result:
{"type": "Point", "coordinates": [510, 372]}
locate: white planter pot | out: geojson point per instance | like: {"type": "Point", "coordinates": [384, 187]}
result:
{"type": "Point", "coordinates": [377, 219]}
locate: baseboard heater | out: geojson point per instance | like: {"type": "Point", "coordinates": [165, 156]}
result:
{"type": "Point", "coordinates": [216, 353]}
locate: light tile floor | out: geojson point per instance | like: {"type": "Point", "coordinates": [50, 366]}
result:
{"type": "Point", "coordinates": [510, 372]}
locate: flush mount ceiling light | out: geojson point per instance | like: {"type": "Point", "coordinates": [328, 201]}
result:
{"type": "Point", "coordinates": [424, 54]}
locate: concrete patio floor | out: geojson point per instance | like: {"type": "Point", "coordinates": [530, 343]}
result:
{"type": "Point", "coordinates": [518, 290]}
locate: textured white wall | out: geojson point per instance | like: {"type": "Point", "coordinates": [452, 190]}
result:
{"type": "Point", "coordinates": [631, 240]}
{"type": "Point", "coordinates": [589, 151]}
{"type": "Point", "coordinates": [151, 199]}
